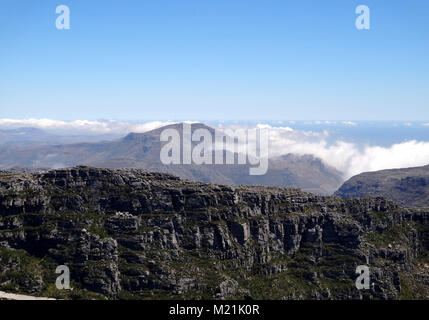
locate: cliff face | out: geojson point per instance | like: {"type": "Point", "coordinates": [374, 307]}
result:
{"type": "Point", "coordinates": [131, 234]}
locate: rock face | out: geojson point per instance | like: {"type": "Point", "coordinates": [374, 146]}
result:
{"type": "Point", "coordinates": [409, 187]}
{"type": "Point", "coordinates": [130, 234]}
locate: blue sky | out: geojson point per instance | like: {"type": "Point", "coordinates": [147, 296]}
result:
{"type": "Point", "coordinates": [214, 60]}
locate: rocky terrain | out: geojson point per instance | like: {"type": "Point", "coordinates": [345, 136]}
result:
{"type": "Point", "coordinates": [130, 234]}
{"type": "Point", "coordinates": [409, 186]}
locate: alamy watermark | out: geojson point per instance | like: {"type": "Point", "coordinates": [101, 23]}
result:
{"type": "Point", "coordinates": [204, 146]}
{"type": "Point", "coordinates": [63, 280]}
{"type": "Point", "coordinates": [63, 20]}
{"type": "Point", "coordinates": [363, 20]}
{"type": "Point", "coordinates": [363, 280]}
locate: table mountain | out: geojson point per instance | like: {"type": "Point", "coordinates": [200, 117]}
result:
{"type": "Point", "coordinates": [132, 234]}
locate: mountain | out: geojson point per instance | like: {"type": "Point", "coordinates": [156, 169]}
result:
{"type": "Point", "coordinates": [130, 234]}
{"type": "Point", "coordinates": [31, 137]}
{"type": "Point", "coordinates": [142, 150]}
{"type": "Point", "coordinates": [408, 187]}
{"type": "Point", "coordinates": [24, 135]}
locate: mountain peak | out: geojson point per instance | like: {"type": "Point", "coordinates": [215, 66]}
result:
{"type": "Point", "coordinates": [156, 132]}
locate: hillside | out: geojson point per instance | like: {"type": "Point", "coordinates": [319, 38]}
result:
{"type": "Point", "coordinates": [142, 150]}
{"type": "Point", "coordinates": [131, 234]}
{"type": "Point", "coordinates": [408, 187]}
{"type": "Point", "coordinates": [31, 137]}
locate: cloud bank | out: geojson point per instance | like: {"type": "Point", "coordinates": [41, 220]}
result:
{"type": "Point", "coordinates": [347, 157]}
{"type": "Point", "coordinates": [97, 126]}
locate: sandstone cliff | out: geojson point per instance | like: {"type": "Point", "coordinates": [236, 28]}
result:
{"type": "Point", "coordinates": [131, 234]}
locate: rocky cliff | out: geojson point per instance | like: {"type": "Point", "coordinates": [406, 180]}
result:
{"type": "Point", "coordinates": [130, 234]}
{"type": "Point", "coordinates": [407, 187]}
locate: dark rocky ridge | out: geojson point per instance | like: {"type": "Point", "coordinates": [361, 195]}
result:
{"type": "Point", "coordinates": [409, 186]}
{"type": "Point", "coordinates": [132, 234]}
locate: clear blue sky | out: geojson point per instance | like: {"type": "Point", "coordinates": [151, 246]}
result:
{"type": "Point", "coordinates": [214, 59]}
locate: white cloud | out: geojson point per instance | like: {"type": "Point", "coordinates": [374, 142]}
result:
{"type": "Point", "coordinates": [407, 154]}
{"type": "Point", "coordinates": [320, 122]}
{"type": "Point", "coordinates": [108, 126]}
{"type": "Point", "coordinates": [349, 123]}
{"type": "Point", "coordinates": [267, 126]}
{"type": "Point", "coordinates": [346, 157]}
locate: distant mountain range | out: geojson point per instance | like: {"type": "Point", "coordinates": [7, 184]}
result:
{"type": "Point", "coordinates": [142, 150]}
{"type": "Point", "coordinates": [28, 136]}
{"type": "Point", "coordinates": [408, 187]}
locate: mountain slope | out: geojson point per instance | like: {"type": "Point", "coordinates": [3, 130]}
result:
{"type": "Point", "coordinates": [131, 234]}
{"type": "Point", "coordinates": [408, 187]}
{"type": "Point", "coordinates": [27, 137]}
{"type": "Point", "coordinates": [142, 150]}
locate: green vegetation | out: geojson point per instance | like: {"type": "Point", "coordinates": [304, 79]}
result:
{"type": "Point", "coordinates": [18, 270]}
{"type": "Point", "coordinates": [398, 234]}
{"type": "Point", "coordinates": [412, 289]}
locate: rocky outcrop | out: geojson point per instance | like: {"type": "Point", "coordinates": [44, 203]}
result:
{"type": "Point", "coordinates": [408, 187]}
{"type": "Point", "coordinates": [131, 234]}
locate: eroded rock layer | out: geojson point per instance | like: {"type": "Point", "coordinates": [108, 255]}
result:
{"type": "Point", "coordinates": [131, 234]}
